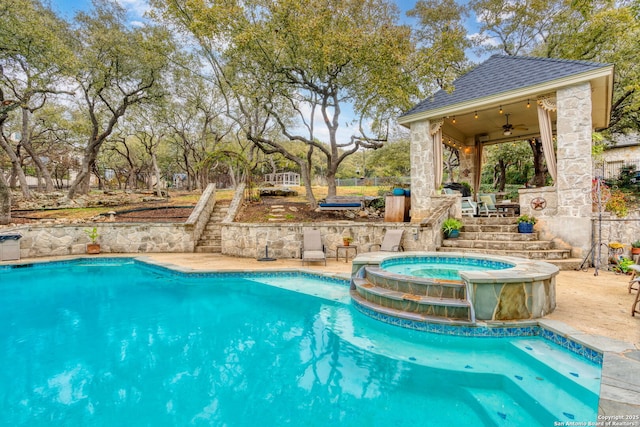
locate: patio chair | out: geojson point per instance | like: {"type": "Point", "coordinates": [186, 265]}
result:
{"type": "Point", "coordinates": [390, 242]}
{"type": "Point", "coordinates": [469, 207]}
{"type": "Point", "coordinates": [488, 205]}
{"type": "Point", "coordinates": [312, 247]}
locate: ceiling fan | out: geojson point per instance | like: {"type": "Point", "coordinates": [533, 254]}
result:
{"type": "Point", "coordinates": [508, 127]}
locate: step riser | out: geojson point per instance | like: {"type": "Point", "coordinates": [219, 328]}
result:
{"type": "Point", "coordinates": [208, 250]}
{"type": "Point", "coordinates": [392, 313]}
{"type": "Point", "coordinates": [448, 312]}
{"type": "Point", "coordinates": [490, 228]}
{"type": "Point", "coordinates": [555, 254]}
{"type": "Point", "coordinates": [437, 290]}
{"type": "Point", "coordinates": [513, 237]}
{"type": "Point", "coordinates": [504, 245]}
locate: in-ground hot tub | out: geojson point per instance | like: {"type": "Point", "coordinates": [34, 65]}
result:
{"type": "Point", "coordinates": [498, 288]}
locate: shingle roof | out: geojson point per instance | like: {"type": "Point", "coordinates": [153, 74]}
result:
{"type": "Point", "coordinates": [501, 73]}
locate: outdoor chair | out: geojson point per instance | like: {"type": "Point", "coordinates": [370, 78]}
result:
{"type": "Point", "coordinates": [634, 281]}
{"type": "Point", "coordinates": [469, 207]}
{"type": "Point", "coordinates": [390, 242]}
{"type": "Point", "coordinates": [312, 248]}
{"type": "Point", "coordinates": [487, 205]}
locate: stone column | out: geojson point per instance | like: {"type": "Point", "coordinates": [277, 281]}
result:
{"type": "Point", "coordinates": [574, 151]}
{"type": "Point", "coordinates": [422, 178]}
{"type": "Point", "coordinates": [572, 221]}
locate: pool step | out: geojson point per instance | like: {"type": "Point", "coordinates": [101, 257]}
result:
{"type": "Point", "coordinates": [413, 298]}
{"type": "Point", "coordinates": [418, 286]}
{"type": "Point", "coordinates": [405, 315]}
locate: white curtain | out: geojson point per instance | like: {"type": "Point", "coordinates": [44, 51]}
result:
{"type": "Point", "coordinates": [478, 168]}
{"type": "Point", "coordinates": [545, 106]}
{"type": "Point", "coordinates": [437, 158]}
{"type": "Point", "coordinates": [436, 134]}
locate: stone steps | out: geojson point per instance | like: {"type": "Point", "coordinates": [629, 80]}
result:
{"type": "Point", "coordinates": [211, 239]}
{"type": "Point", "coordinates": [499, 236]}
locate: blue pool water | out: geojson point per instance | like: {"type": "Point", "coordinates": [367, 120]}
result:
{"type": "Point", "coordinates": [440, 267]}
{"type": "Point", "coordinates": [122, 343]}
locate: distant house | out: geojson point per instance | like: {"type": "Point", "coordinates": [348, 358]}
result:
{"type": "Point", "coordinates": [623, 151]}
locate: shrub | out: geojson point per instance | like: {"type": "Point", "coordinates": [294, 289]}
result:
{"type": "Point", "coordinates": [451, 224]}
{"type": "Point", "coordinates": [529, 219]}
{"type": "Point", "coordinates": [617, 204]}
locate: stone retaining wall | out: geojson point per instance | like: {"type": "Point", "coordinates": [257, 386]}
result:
{"type": "Point", "coordinates": [42, 240]}
{"type": "Point", "coordinates": [285, 240]}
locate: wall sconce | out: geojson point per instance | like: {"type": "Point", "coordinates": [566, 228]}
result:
{"type": "Point", "coordinates": [467, 150]}
{"type": "Point", "coordinates": [454, 119]}
{"type": "Point", "coordinates": [528, 104]}
{"type": "Point", "coordinates": [475, 115]}
{"type": "Point", "coordinates": [501, 109]}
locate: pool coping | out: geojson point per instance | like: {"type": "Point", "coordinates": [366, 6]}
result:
{"type": "Point", "coordinates": [619, 393]}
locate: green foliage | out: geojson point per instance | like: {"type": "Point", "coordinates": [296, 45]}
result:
{"type": "Point", "coordinates": [92, 233]}
{"type": "Point", "coordinates": [624, 263]}
{"type": "Point", "coordinates": [451, 224]}
{"type": "Point", "coordinates": [513, 159]}
{"type": "Point", "coordinates": [635, 244]}
{"type": "Point", "coordinates": [617, 204]}
{"type": "Point", "coordinates": [393, 159]}
{"type": "Point", "coordinates": [528, 219]}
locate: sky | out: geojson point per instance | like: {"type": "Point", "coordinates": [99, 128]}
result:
{"type": "Point", "coordinates": [68, 8]}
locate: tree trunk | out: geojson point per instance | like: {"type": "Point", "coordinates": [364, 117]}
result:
{"type": "Point", "coordinates": [26, 143]}
{"type": "Point", "coordinates": [80, 184]}
{"type": "Point", "coordinates": [502, 175]}
{"type": "Point", "coordinates": [16, 170]}
{"type": "Point", "coordinates": [5, 201]}
{"type": "Point", "coordinates": [540, 173]}
{"type": "Point", "coordinates": [305, 174]}
{"type": "Point", "coordinates": [156, 171]}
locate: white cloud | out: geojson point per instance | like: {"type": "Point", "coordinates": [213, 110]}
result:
{"type": "Point", "coordinates": [135, 7]}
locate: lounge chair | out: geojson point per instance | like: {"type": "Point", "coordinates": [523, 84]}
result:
{"type": "Point", "coordinates": [312, 247]}
{"type": "Point", "coordinates": [390, 241]}
{"type": "Point", "coordinates": [488, 205]}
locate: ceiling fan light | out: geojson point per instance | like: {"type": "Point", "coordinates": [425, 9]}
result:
{"type": "Point", "coordinates": [507, 132]}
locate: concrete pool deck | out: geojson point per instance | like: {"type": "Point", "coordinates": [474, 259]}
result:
{"type": "Point", "coordinates": [593, 310]}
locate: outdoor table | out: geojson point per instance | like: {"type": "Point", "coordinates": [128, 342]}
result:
{"type": "Point", "coordinates": [346, 251]}
{"type": "Point", "coordinates": [510, 209]}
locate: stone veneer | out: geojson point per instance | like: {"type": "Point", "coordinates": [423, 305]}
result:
{"type": "Point", "coordinates": [43, 240]}
{"type": "Point", "coordinates": [422, 177]}
{"type": "Point", "coordinates": [285, 240]}
{"type": "Point", "coordinates": [525, 291]}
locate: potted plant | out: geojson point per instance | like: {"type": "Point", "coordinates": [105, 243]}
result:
{"type": "Point", "coordinates": [525, 223]}
{"type": "Point", "coordinates": [93, 247]}
{"type": "Point", "coordinates": [635, 248]}
{"type": "Point", "coordinates": [346, 240]}
{"type": "Point", "coordinates": [451, 228]}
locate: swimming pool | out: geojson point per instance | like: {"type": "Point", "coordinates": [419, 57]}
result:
{"type": "Point", "coordinates": [105, 342]}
